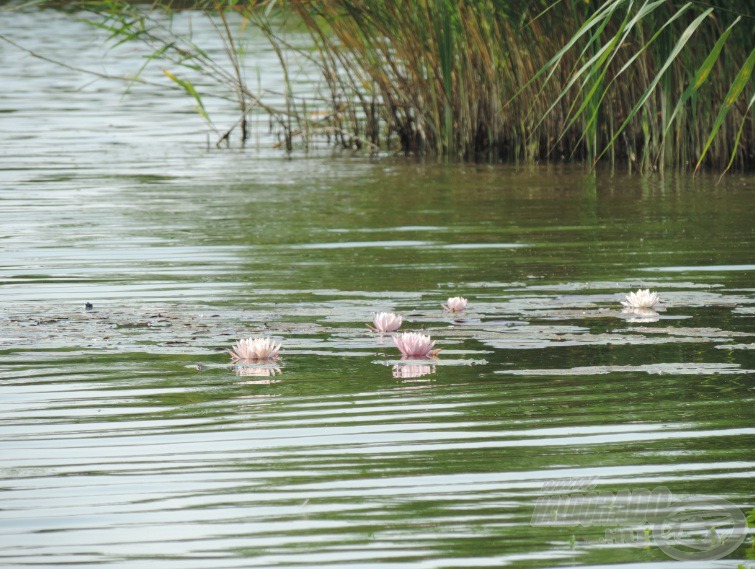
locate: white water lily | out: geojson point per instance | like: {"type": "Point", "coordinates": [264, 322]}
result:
{"type": "Point", "coordinates": [455, 304]}
{"type": "Point", "coordinates": [415, 345]}
{"type": "Point", "coordinates": [642, 300]}
{"type": "Point", "coordinates": [385, 322]}
{"type": "Point", "coordinates": [255, 350]}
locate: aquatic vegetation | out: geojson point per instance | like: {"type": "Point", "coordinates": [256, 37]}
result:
{"type": "Point", "coordinates": [640, 82]}
{"type": "Point", "coordinates": [642, 300]}
{"type": "Point", "coordinates": [415, 345]}
{"type": "Point", "coordinates": [455, 304]}
{"type": "Point", "coordinates": [255, 350]}
{"type": "Point", "coordinates": [644, 83]}
{"type": "Point", "coordinates": [386, 322]}
{"type": "Point", "coordinates": [642, 315]}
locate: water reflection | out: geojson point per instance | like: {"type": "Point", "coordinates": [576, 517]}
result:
{"type": "Point", "coordinates": [641, 314]}
{"type": "Point", "coordinates": [412, 370]}
{"type": "Point", "coordinates": [247, 369]}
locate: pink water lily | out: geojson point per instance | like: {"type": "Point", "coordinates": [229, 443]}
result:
{"type": "Point", "coordinates": [385, 322]}
{"type": "Point", "coordinates": [415, 345]}
{"type": "Point", "coordinates": [455, 304]}
{"type": "Point", "coordinates": [255, 350]}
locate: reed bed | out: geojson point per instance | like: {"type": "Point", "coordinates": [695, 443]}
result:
{"type": "Point", "coordinates": [657, 84]}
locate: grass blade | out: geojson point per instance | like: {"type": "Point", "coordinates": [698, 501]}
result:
{"type": "Point", "coordinates": [740, 82]}
{"type": "Point", "coordinates": [683, 39]}
{"type": "Point", "coordinates": [186, 85]}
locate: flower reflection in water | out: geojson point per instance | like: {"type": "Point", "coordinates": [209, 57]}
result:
{"type": "Point", "coordinates": [642, 315]}
{"type": "Point", "coordinates": [252, 368]}
{"type": "Point", "coordinates": [412, 370]}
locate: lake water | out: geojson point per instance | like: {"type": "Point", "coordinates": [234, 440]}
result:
{"type": "Point", "coordinates": [127, 438]}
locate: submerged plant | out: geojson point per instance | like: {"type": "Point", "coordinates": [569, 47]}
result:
{"type": "Point", "coordinates": [255, 350]}
{"type": "Point", "coordinates": [415, 345]}
{"type": "Point", "coordinates": [642, 300]}
{"type": "Point", "coordinates": [455, 304]}
{"type": "Point", "coordinates": [385, 322]}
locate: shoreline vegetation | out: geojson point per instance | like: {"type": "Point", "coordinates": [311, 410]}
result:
{"type": "Point", "coordinates": [653, 85]}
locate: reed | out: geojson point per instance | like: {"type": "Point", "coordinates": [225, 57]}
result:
{"type": "Point", "coordinates": [657, 84]}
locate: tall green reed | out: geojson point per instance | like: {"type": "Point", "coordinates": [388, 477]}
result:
{"type": "Point", "coordinates": [655, 84]}
{"type": "Point", "coordinates": [479, 79]}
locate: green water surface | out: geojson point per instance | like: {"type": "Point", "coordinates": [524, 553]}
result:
{"type": "Point", "coordinates": [129, 440]}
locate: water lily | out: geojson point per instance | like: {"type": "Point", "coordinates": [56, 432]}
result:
{"type": "Point", "coordinates": [385, 322]}
{"type": "Point", "coordinates": [255, 350]}
{"type": "Point", "coordinates": [642, 300]}
{"type": "Point", "coordinates": [415, 345]}
{"type": "Point", "coordinates": [455, 304]}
